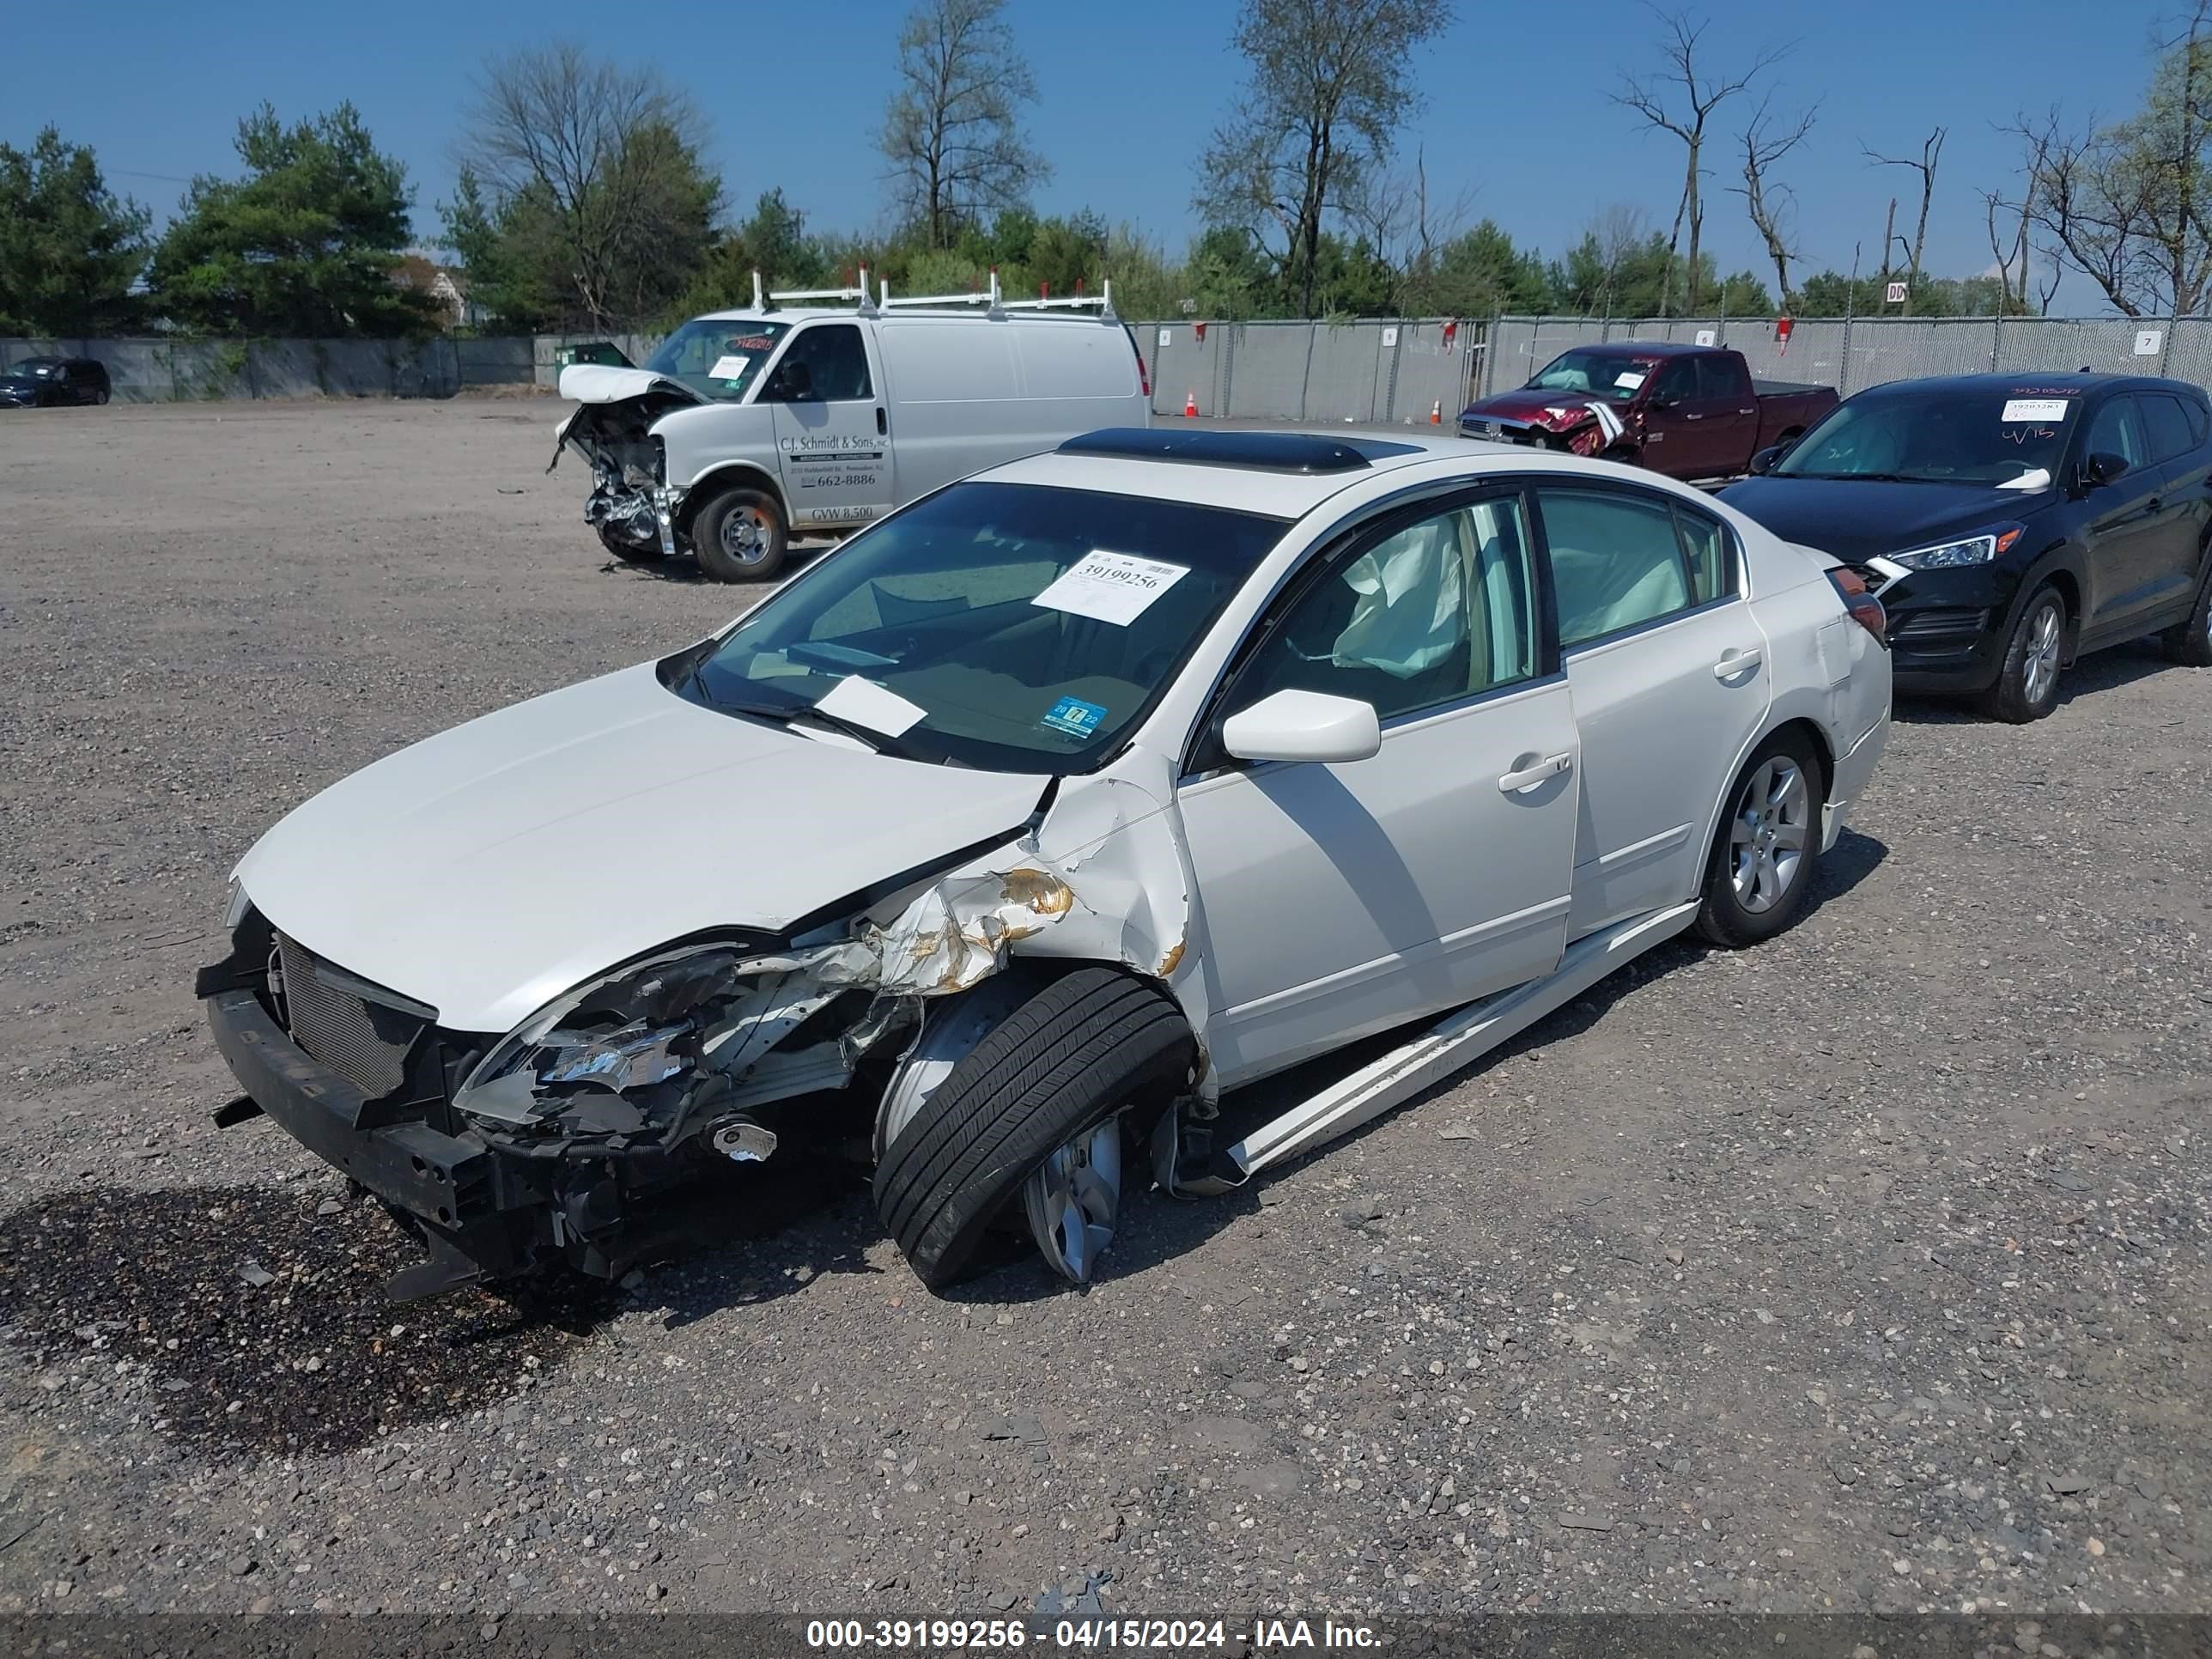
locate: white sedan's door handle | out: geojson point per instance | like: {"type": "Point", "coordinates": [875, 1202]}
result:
{"type": "Point", "coordinates": [1550, 767]}
{"type": "Point", "coordinates": [1736, 663]}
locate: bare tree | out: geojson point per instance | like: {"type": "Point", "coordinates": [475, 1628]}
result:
{"type": "Point", "coordinates": [1765, 142]}
{"type": "Point", "coordinates": [600, 165]}
{"type": "Point", "coordinates": [1931, 153]}
{"type": "Point", "coordinates": [952, 133]}
{"type": "Point", "coordinates": [1329, 85]}
{"type": "Point", "coordinates": [1680, 98]}
{"type": "Point", "coordinates": [1408, 225]}
{"type": "Point", "coordinates": [2130, 205]}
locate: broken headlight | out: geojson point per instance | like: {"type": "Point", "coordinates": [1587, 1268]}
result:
{"type": "Point", "coordinates": [625, 1052]}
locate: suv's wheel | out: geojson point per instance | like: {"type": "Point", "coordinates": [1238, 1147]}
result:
{"type": "Point", "coordinates": [739, 536]}
{"type": "Point", "coordinates": [1768, 845]}
{"type": "Point", "coordinates": [1029, 1098]}
{"type": "Point", "coordinates": [2190, 642]}
{"type": "Point", "coordinates": [2027, 680]}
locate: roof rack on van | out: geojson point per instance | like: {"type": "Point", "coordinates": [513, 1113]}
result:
{"type": "Point", "coordinates": [764, 301]}
{"type": "Point", "coordinates": [882, 301]}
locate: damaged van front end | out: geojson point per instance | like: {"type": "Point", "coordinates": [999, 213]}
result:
{"type": "Point", "coordinates": [632, 504]}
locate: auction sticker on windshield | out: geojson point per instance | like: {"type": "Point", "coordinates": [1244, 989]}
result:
{"type": "Point", "coordinates": [1628, 380]}
{"type": "Point", "coordinates": [1114, 588]}
{"type": "Point", "coordinates": [728, 369]}
{"type": "Point", "coordinates": [2032, 409]}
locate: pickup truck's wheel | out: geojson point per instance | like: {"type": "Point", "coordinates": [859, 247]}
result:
{"type": "Point", "coordinates": [2190, 642]}
{"type": "Point", "coordinates": [1029, 1099]}
{"type": "Point", "coordinates": [632, 552]}
{"type": "Point", "coordinates": [740, 536]}
{"type": "Point", "coordinates": [2027, 678]}
{"type": "Point", "coordinates": [1769, 842]}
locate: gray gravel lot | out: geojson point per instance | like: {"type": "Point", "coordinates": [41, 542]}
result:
{"type": "Point", "coordinates": [1866, 1270]}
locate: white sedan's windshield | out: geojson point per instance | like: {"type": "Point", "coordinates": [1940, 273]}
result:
{"type": "Point", "coordinates": [1008, 627]}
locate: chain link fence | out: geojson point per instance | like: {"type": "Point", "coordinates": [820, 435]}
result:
{"type": "Point", "coordinates": [1852, 354]}
{"type": "Point", "coordinates": [1413, 370]}
{"type": "Point", "coordinates": [1408, 371]}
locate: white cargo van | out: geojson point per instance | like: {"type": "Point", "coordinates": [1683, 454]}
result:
{"type": "Point", "coordinates": [746, 426]}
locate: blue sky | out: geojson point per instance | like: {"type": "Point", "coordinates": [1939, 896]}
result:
{"type": "Point", "coordinates": [1517, 111]}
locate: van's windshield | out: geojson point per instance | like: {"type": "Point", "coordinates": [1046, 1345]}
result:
{"type": "Point", "coordinates": [1007, 627]}
{"type": "Point", "coordinates": [718, 358]}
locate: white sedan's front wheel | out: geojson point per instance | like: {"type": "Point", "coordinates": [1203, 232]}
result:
{"type": "Point", "coordinates": [1769, 842]}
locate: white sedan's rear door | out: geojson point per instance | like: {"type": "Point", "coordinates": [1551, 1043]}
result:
{"type": "Point", "coordinates": [1670, 679]}
{"type": "Point", "coordinates": [1342, 900]}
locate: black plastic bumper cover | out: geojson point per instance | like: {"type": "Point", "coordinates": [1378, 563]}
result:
{"type": "Point", "coordinates": [449, 1184]}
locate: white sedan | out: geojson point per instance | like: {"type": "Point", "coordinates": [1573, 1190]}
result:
{"type": "Point", "coordinates": [1007, 838]}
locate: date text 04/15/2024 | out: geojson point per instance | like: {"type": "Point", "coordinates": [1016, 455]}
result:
{"type": "Point", "coordinates": [1085, 1635]}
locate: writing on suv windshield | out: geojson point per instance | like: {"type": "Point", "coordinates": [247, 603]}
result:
{"type": "Point", "coordinates": [1007, 627]}
{"type": "Point", "coordinates": [717, 358]}
{"type": "Point", "coordinates": [1981, 436]}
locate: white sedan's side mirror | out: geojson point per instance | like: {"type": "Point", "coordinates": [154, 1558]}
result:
{"type": "Point", "coordinates": [1302, 725]}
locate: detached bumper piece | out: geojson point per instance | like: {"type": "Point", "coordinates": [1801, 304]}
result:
{"type": "Point", "coordinates": [486, 1207]}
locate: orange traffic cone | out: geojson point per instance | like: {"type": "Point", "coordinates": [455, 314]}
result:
{"type": "Point", "coordinates": [1190, 403]}
{"type": "Point", "coordinates": [1437, 412]}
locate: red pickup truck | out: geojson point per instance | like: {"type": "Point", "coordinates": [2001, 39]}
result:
{"type": "Point", "coordinates": [1688, 411]}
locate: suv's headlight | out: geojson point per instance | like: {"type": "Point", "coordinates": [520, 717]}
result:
{"type": "Point", "coordinates": [639, 1032]}
{"type": "Point", "coordinates": [1967, 549]}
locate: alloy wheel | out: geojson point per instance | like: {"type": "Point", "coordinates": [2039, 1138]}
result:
{"type": "Point", "coordinates": [1767, 833]}
{"type": "Point", "coordinates": [2040, 671]}
{"type": "Point", "coordinates": [1073, 1198]}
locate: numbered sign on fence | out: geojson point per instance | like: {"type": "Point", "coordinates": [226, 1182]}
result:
{"type": "Point", "coordinates": [1707, 336]}
{"type": "Point", "coordinates": [2148, 341]}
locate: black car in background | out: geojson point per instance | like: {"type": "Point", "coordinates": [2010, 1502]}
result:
{"type": "Point", "coordinates": [2010, 523]}
{"type": "Point", "coordinates": [35, 382]}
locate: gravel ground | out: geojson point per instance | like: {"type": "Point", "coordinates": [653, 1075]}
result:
{"type": "Point", "coordinates": [1868, 1270]}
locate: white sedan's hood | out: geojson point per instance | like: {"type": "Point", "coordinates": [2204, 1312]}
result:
{"type": "Point", "coordinates": [489, 869]}
{"type": "Point", "coordinates": [603, 383]}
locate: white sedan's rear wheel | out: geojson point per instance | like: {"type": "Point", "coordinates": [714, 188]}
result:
{"type": "Point", "coordinates": [1769, 842]}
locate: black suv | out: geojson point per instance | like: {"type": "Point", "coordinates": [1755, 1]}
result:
{"type": "Point", "coordinates": [2010, 523]}
{"type": "Point", "coordinates": [36, 381]}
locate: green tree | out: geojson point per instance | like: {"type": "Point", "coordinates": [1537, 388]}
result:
{"type": "Point", "coordinates": [591, 204]}
{"type": "Point", "coordinates": [305, 245]}
{"type": "Point", "coordinates": [1476, 274]}
{"type": "Point", "coordinates": [1329, 85]}
{"type": "Point", "coordinates": [952, 133]}
{"type": "Point", "coordinates": [69, 248]}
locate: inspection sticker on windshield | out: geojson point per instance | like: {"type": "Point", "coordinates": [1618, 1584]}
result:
{"type": "Point", "coordinates": [728, 369]}
{"type": "Point", "coordinates": [2032, 409]}
{"type": "Point", "coordinates": [1628, 380]}
{"type": "Point", "coordinates": [866, 703]}
{"type": "Point", "coordinates": [1114, 588]}
{"type": "Point", "coordinates": [1075, 717]}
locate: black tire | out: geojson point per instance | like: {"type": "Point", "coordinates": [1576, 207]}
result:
{"type": "Point", "coordinates": [100, 398]}
{"type": "Point", "coordinates": [629, 551]}
{"type": "Point", "coordinates": [2190, 642]}
{"type": "Point", "coordinates": [2015, 697]}
{"type": "Point", "coordinates": [1724, 916]}
{"type": "Point", "coordinates": [723, 564]}
{"type": "Point", "coordinates": [1075, 1053]}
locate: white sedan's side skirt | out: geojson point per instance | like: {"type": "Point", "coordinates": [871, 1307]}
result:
{"type": "Point", "coordinates": [1459, 1039]}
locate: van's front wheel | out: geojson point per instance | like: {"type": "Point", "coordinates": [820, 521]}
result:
{"type": "Point", "coordinates": [740, 537]}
